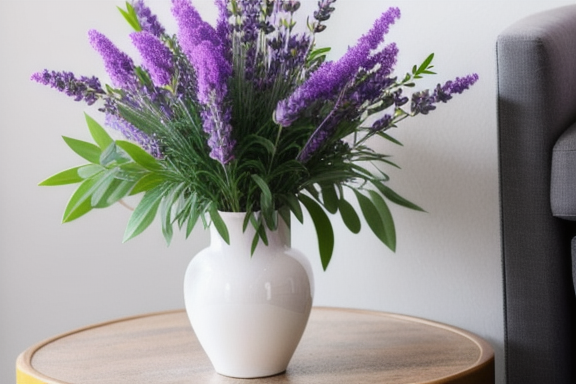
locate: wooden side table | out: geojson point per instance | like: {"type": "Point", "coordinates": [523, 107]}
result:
{"type": "Point", "coordinates": [338, 346]}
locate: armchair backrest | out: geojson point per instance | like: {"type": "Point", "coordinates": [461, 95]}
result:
{"type": "Point", "coordinates": [536, 63]}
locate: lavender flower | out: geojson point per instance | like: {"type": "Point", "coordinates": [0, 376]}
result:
{"type": "Point", "coordinates": [223, 26]}
{"type": "Point", "coordinates": [202, 46]}
{"type": "Point", "coordinates": [156, 56]}
{"type": "Point", "coordinates": [118, 65]}
{"type": "Point", "coordinates": [212, 73]}
{"type": "Point", "coordinates": [382, 123]}
{"type": "Point", "coordinates": [148, 21]}
{"type": "Point", "coordinates": [459, 85]}
{"type": "Point", "coordinates": [423, 102]}
{"type": "Point", "coordinates": [85, 88]}
{"type": "Point", "coordinates": [192, 29]}
{"type": "Point", "coordinates": [323, 13]}
{"type": "Point", "coordinates": [332, 78]}
{"type": "Point", "coordinates": [135, 135]}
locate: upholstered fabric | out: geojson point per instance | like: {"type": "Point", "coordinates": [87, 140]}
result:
{"type": "Point", "coordinates": [574, 262]}
{"type": "Point", "coordinates": [536, 61]}
{"type": "Point", "coordinates": [563, 185]}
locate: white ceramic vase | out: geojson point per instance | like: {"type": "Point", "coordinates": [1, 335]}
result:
{"type": "Point", "coordinates": [248, 312]}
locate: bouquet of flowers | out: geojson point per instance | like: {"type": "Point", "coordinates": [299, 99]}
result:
{"type": "Point", "coordinates": [244, 116]}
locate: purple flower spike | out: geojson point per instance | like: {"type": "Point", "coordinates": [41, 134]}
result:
{"type": "Point", "coordinates": [156, 56]}
{"type": "Point", "coordinates": [135, 135]}
{"type": "Point", "coordinates": [332, 78]}
{"type": "Point", "coordinates": [381, 27]}
{"type": "Point", "coordinates": [85, 88]}
{"type": "Point", "coordinates": [192, 29]}
{"type": "Point", "coordinates": [459, 85]}
{"type": "Point", "coordinates": [212, 72]}
{"type": "Point", "coordinates": [118, 64]}
{"type": "Point", "coordinates": [148, 21]}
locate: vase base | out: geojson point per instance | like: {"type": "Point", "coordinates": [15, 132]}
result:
{"type": "Point", "coordinates": [248, 377]}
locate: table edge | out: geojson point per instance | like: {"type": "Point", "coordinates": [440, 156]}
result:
{"type": "Point", "coordinates": [27, 374]}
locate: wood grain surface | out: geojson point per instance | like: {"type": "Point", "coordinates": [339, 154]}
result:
{"type": "Point", "coordinates": [338, 346]}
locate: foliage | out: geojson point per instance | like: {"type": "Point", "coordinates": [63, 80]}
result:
{"type": "Point", "coordinates": [245, 116]}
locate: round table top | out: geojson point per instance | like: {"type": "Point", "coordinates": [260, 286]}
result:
{"type": "Point", "coordinates": [338, 346]}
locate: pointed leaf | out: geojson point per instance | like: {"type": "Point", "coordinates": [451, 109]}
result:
{"type": "Point", "coordinates": [99, 134]}
{"type": "Point", "coordinates": [349, 216]}
{"type": "Point", "coordinates": [116, 190]}
{"type": "Point", "coordinates": [146, 183]}
{"type": "Point", "coordinates": [89, 170]}
{"type": "Point", "coordinates": [82, 209]}
{"type": "Point", "coordinates": [139, 155]}
{"type": "Point", "coordinates": [219, 224]}
{"type": "Point", "coordinates": [113, 155]}
{"type": "Point", "coordinates": [69, 176]}
{"type": "Point", "coordinates": [396, 198]}
{"type": "Point", "coordinates": [76, 206]}
{"type": "Point", "coordinates": [193, 215]}
{"type": "Point", "coordinates": [389, 232]}
{"type": "Point", "coordinates": [324, 230]}
{"type": "Point", "coordinates": [330, 198]}
{"type": "Point", "coordinates": [101, 188]}
{"type": "Point", "coordinates": [144, 213]}
{"type": "Point", "coordinates": [292, 202]}
{"type": "Point", "coordinates": [372, 216]}
{"type": "Point", "coordinates": [131, 17]}
{"type": "Point", "coordinates": [389, 138]}
{"type": "Point", "coordinates": [86, 150]}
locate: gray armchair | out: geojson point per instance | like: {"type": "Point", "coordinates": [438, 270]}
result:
{"type": "Point", "coordinates": [536, 64]}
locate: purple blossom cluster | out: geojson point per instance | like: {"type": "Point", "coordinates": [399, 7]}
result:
{"type": "Point", "coordinates": [132, 133]}
{"type": "Point", "coordinates": [203, 47]}
{"type": "Point", "coordinates": [332, 77]}
{"type": "Point", "coordinates": [86, 89]}
{"type": "Point", "coordinates": [156, 56]}
{"type": "Point", "coordinates": [148, 21]}
{"type": "Point", "coordinates": [254, 45]}
{"type": "Point", "coordinates": [118, 64]}
{"type": "Point", "coordinates": [424, 102]}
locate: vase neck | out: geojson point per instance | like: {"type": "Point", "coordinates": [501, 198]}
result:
{"type": "Point", "coordinates": [240, 239]}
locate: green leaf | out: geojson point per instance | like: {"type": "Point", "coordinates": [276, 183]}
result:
{"type": "Point", "coordinates": [99, 134]}
{"type": "Point", "coordinates": [131, 17]}
{"type": "Point", "coordinates": [166, 209]}
{"type": "Point", "coordinates": [264, 142]}
{"type": "Point", "coordinates": [389, 233]}
{"type": "Point", "coordinates": [324, 230]}
{"type": "Point", "coordinates": [144, 213]}
{"type": "Point", "coordinates": [87, 171]}
{"type": "Point", "coordinates": [113, 155]}
{"type": "Point", "coordinates": [69, 176]}
{"type": "Point", "coordinates": [114, 191]}
{"type": "Point", "coordinates": [146, 183]}
{"type": "Point", "coordinates": [139, 155]}
{"type": "Point", "coordinates": [82, 209]}
{"type": "Point", "coordinates": [193, 215]}
{"type": "Point", "coordinates": [396, 198]}
{"type": "Point", "coordinates": [86, 150]}
{"type": "Point", "coordinates": [76, 206]}
{"type": "Point", "coordinates": [389, 138]}
{"type": "Point", "coordinates": [349, 216]}
{"type": "Point", "coordinates": [266, 202]}
{"type": "Point", "coordinates": [294, 205]}
{"type": "Point", "coordinates": [425, 65]}
{"type": "Point", "coordinates": [219, 224]}
{"type": "Point", "coordinates": [330, 198]}
{"type": "Point", "coordinates": [101, 188]}
{"type": "Point", "coordinates": [372, 216]}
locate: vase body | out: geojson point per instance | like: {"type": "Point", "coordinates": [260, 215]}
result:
{"type": "Point", "coordinates": [248, 311]}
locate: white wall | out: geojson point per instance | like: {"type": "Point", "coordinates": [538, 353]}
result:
{"type": "Point", "coordinates": [56, 277]}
